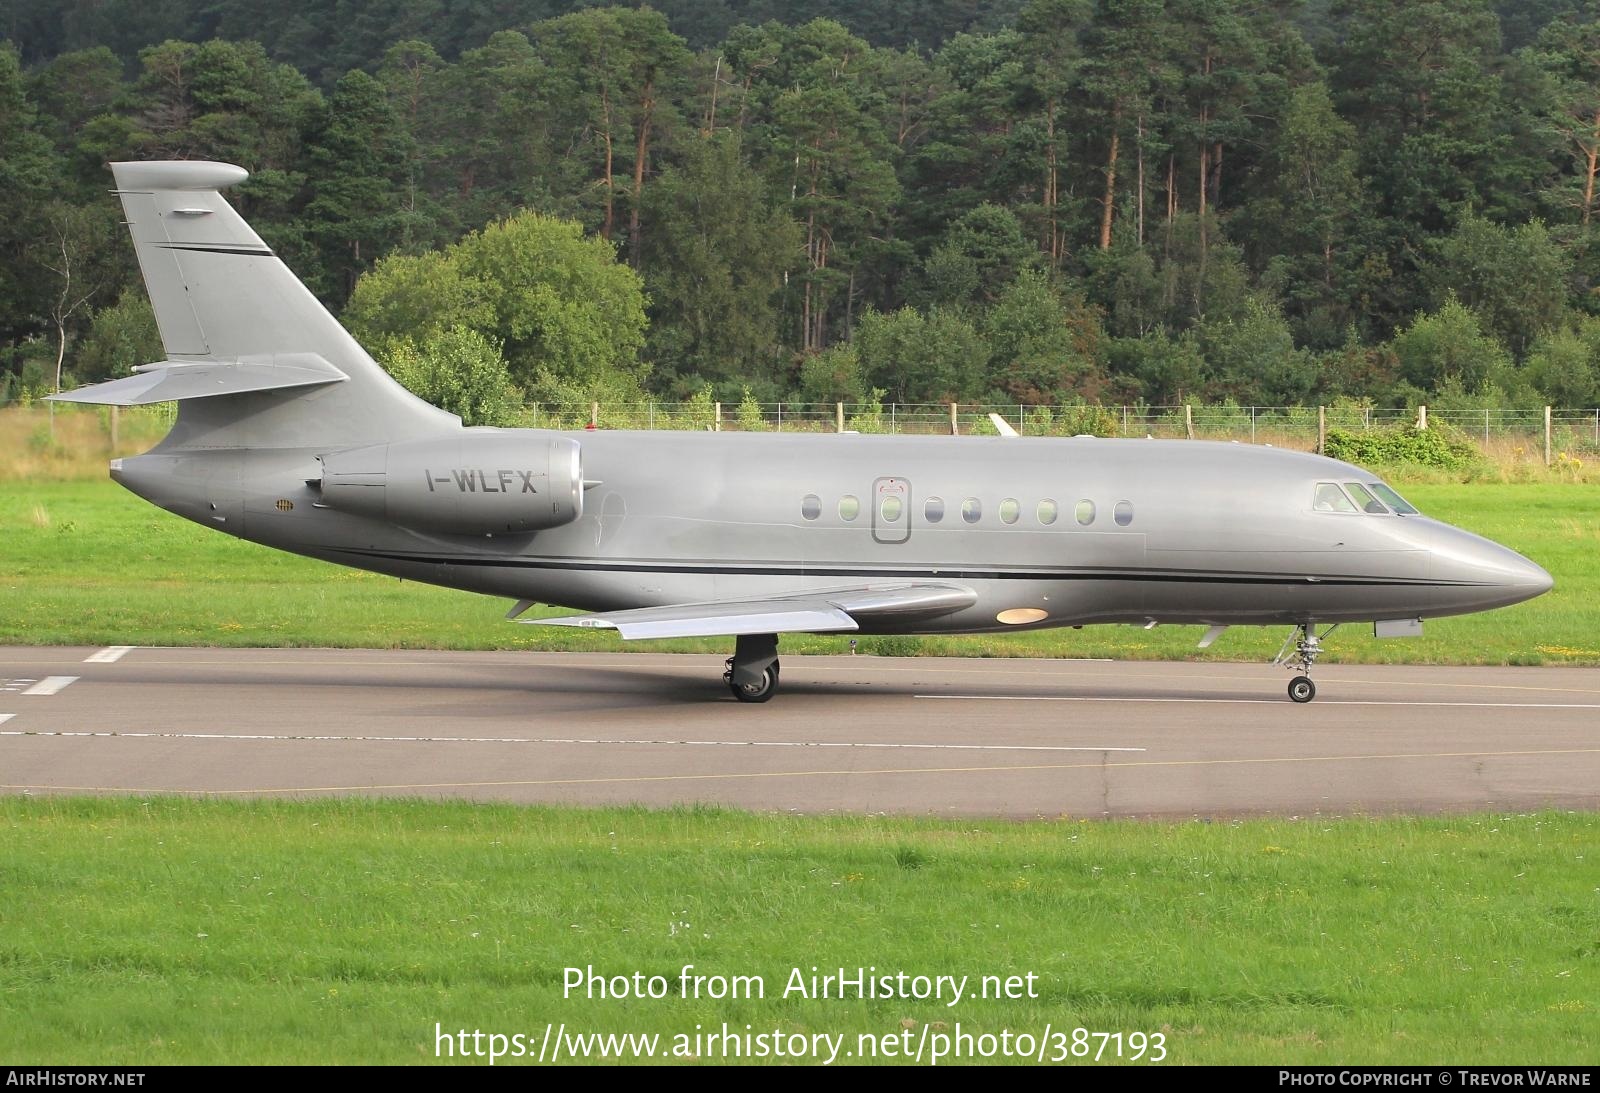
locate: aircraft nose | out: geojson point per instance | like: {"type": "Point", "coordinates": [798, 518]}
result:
{"type": "Point", "coordinates": [1485, 573]}
{"type": "Point", "coordinates": [1534, 579]}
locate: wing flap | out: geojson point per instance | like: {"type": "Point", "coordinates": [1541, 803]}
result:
{"type": "Point", "coordinates": [173, 381]}
{"type": "Point", "coordinates": [801, 613]}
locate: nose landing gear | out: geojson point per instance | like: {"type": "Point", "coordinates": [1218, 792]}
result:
{"type": "Point", "coordinates": [1307, 645]}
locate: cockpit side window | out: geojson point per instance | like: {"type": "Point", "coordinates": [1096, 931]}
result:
{"type": "Point", "coordinates": [1330, 498]}
{"type": "Point", "coordinates": [1365, 499]}
{"type": "Point", "coordinates": [1395, 501]}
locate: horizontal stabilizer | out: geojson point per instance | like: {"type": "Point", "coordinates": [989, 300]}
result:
{"type": "Point", "coordinates": [174, 381]}
{"type": "Point", "coordinates": [801, 613]}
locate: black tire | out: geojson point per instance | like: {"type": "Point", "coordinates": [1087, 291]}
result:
{"type": "Point", "coordinates": [1301, 689]}
{"type": "Point", "coordinates": [761, 692]}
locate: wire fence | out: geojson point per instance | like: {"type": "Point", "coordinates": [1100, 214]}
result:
{"type": "Point", "coordinates": [1304, 427]}
{"type": "Point", "coordinates": [1498, 432]}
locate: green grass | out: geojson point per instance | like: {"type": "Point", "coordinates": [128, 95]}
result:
{"type": "Point", "coordinates": [88, 563]}
{"type": "Point", "coordinates": [165, 930]}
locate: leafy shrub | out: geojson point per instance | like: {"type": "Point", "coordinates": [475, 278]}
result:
{"type": "Point", "coordinates": [1386, 447]}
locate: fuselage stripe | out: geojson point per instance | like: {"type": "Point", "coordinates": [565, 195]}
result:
{"type": "Point", "coordinates": [927, 573]}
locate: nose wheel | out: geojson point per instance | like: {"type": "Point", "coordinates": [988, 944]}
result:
{"type": "Point", "coordinates": [1299, 653]}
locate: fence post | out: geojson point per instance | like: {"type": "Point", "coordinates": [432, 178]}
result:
{"type": "Point", "coordinates": [1188, 421]}
{"type": "Point", "coordinates": [114, 410]}
{"type": "Point", "coordinates": [1547, 436]}
{"type": "Point", "coordinates": [716, 425]}
{"type": "Point", "coordinates": [652, 417]}
{"type": "Point", "coordinates": [594, 415]}
{"type": "Point", "coordinates": [838, 415]}
{"type": "Point", "coordinates": [1322, 429]}
{"type": "Point", "coordinates": [1422, 417]}
{"type": "Point", "coordinates": [955, 422]}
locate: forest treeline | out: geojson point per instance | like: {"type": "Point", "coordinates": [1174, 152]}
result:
{"type": "Point", "coordinates": [1046, 202]}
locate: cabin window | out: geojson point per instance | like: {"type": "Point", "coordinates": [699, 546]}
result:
{"type": "Point", "coordinates": [849, 507]}
{"type": "Point", "coordinates": [1010, 510]}
{"type": "Point", "coordinates": [1330, 498]}
{"type": "Point", "coordinates": [1046, 512]}
{"type": "Point", "coordinates": [1123, 513]}
{"type": "Point", "coordinates": [811, 506]}
{"type": "Point", "coordinates": [972, 510]}
{"type": "Point", "coordinates": [1394, 500]}
{"type": "Point", "coordinates": [1365, 499]}
{"type": "Point", "coordinates": [933, 509]}
{"type": "Point", "coordinates": [890, 508]}
{"type": "Point", "coordinates": [1085, 512]}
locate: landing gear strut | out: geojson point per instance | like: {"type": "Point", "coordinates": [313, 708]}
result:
{"type": "Point", "coordinates": [752, 673]}
{"type": "Point", "coordinates": [1307, 645]}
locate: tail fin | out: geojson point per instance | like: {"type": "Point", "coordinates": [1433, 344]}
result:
{"type": "Point", "coordinates": [254, 357]}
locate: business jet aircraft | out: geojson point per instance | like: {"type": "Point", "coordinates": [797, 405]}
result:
{"type": "Point", "coordinates": [289, 434]}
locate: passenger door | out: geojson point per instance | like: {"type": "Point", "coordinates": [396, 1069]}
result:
{"type": "Point", "coordinates": [891, 510]}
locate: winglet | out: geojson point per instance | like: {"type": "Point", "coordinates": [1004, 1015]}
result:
{"type": "Point", "coordinates": [1002, 426]}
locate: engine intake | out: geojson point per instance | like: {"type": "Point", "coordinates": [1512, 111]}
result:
{"type": "Point", "coordinates": [472, 484]}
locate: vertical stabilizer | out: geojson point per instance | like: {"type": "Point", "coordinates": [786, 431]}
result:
{"type": "Point", "coordinates": [221, 296]}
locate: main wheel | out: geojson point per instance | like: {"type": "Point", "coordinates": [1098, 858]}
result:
{"type": "Point", "coordinates": [1301, 689]}
{"type": "Point", "coordinates": [757, 692]}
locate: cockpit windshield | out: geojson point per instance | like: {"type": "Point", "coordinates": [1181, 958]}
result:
{"type": "Point", "coordinates": [1393, 500]}
{"type": "Point", "coordinates": [1330, 498]}
{"type": "Point", "coordinates": [1369, 497]}
{"type": "Point", "coordinates": [1365, 499]}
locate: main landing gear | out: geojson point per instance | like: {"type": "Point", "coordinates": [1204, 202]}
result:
{"type": "Point", "coordinates": [1307, 645]}
{"type": "Point", "coordinates": [752, 673]}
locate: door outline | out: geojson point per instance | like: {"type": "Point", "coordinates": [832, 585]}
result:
{"type": "Point", "coordinates": [897, 531]}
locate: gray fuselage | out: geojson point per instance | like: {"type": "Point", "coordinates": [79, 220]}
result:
{"type": "Point", "coordinates": [1180, 531]}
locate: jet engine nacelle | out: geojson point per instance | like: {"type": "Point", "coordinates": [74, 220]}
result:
{"type": "Point", "coordinates": [472, 484]}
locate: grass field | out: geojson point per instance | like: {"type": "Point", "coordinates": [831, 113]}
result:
{"type": "Point", "coordinates": [174, 931]}
{"type": "Point", "coordinates": [163, 930]}
{"type": "Point", "coordinates": [89, 563]}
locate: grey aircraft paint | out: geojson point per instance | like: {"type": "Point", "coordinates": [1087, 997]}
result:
{"type": "Point", "coordinates": [288, 434]}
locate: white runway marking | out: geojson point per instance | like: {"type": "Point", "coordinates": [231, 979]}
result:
{"type": "Point", "coordinates": [50, 685]}
{"type": "Point", "coordinates": [4, 717]}
{"type": "Point", "coordinates": [1270, 701]}
{"type": "Point", "coordinates": [109, 655]}
{"type": "Point", "coordinates": [551, 740]}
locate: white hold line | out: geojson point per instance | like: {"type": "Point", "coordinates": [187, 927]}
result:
{"type": "Point", "coordinates": [1270, 701]}
{"type": "Point", "coordinates": [550, 740]}
{"type": "Point", "coordinates": [109, 655]}
{"type": "Point", "coordinates": [50, 685]}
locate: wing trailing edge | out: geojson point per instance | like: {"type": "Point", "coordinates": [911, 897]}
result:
{"type": "Point", "coordinates": [819, 612]}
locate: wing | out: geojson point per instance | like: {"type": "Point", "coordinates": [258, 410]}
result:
{"type": "Point", "coordinates": [812, 612]}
